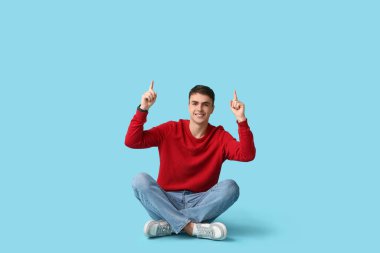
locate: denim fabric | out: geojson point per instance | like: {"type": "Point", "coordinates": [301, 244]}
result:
{"type": "Point", "coordinates": [179, 208]}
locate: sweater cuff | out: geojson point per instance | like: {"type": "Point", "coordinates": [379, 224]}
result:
{"type": "Point", "coordinates": [243, 123]}
{"type": "Point", "coordinates": [141, 115]}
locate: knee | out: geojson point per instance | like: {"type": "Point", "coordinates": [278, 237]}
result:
{"type": "Point", "coordinates": [231, 189]}
{"type": "Point", "coordinates": [142, 181]}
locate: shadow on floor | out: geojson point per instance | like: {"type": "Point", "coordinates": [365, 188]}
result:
{"type": "Point", "coordinates": [237, 228]}
{"type": "Point", "coordinates": [248, 228]}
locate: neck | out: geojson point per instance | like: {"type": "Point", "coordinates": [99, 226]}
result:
{"type": "Point", "coordinates": [198, 130]}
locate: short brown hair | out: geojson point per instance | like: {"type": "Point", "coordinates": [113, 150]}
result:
{"type": "Point", "coordinates": [204, 90]}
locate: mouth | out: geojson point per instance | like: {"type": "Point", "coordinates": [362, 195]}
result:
{"type": "Point", "coordinates": [199, 115]}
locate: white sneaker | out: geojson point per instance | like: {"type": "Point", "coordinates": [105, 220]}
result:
{"type": "Point", "coordinates": [213, 231]}
{"type": "Point", "coordinates": [154, 228]}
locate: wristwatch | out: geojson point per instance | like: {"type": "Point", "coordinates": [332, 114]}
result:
{"type": "Point", "coordinates": [141, 110]}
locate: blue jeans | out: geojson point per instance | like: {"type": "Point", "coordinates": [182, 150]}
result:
{"type": "Point", "coordinates": [179, 208]}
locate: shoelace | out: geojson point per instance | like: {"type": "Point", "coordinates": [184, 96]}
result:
{"type": "Point", "coordinates": [163, 229]}
{"type": "Point", "coordinates": [205, 232]}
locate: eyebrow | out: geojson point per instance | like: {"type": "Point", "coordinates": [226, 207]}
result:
{"type": "Point", "coordinates": [194, 101]}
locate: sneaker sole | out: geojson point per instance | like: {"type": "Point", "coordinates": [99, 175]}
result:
{"type": "Point", "coordinates": [146, 228]}
{"type": "Point", "coordinates": [224, 230]}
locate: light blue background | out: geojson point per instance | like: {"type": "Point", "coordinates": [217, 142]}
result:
{"type": "Point", "coordinates": [73, 72]}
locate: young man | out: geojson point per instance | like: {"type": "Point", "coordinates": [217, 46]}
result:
{"type": "Point", "coordinates": [187, 196]}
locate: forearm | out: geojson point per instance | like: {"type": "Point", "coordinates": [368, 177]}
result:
{"type": "Point", "coordinates": [246, 143]}
{"type": "Point", "coordinates": [134, 137]}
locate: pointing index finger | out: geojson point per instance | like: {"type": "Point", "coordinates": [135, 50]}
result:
{"type": "Point", "coordinates": [235, 95]}
{"type": "Point", "coordinates": [151, 85]}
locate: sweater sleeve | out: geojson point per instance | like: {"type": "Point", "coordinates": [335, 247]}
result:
{"type": "Point", "coordinates": [243, 150]}
{"type": "Point", "coordinates": [139, 138]}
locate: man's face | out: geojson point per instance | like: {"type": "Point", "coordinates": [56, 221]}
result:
{"type": "Point", "coordinates": [200, 108]}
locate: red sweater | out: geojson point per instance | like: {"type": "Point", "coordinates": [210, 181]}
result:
{"type": "Point", "coordinates": [188, 163]}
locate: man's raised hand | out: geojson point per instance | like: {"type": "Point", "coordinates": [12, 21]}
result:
{"type": "Point", "coordinates": [238, 108]}
{"type": "Point", "coordinates": [148, 98]}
